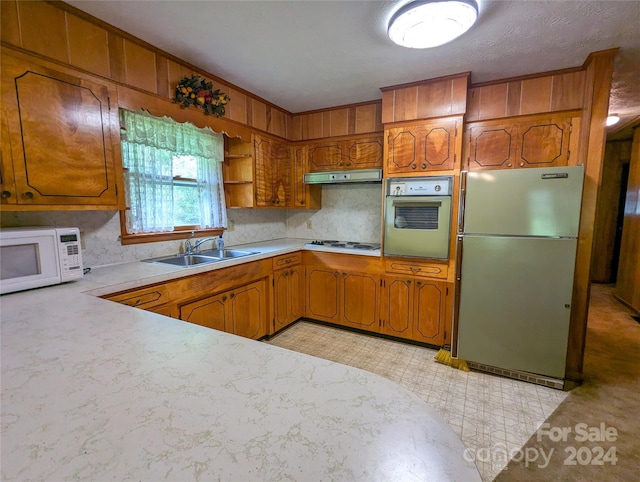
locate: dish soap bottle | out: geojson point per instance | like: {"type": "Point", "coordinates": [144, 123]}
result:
{"type": "Point", "coordinates": [220, 243]}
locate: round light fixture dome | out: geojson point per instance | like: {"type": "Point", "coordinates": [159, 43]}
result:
{"type": "Point", "coordinates": [429, 23]}
{"type": "Point", "coordinates": [613, 119]}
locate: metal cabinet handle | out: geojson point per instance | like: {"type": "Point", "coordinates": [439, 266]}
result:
{"type": "Point", "coordinates": [522, 164]}
{"type": "Point", "coordinates": [509, 165]}
{"type": "Point", "coordinates": [6, 194]}
{"type": "Point", "coordinates": [224, 297]}
{"type": "Point", "coordinates": [232, 295]}
{"type": "Point", "coordinates": [424, 166]}
{"type": "Point", "coordinates": [418, 283]}
{"type": "Point", "coordinates": [335, 273]}
{"type": "Point", "coordinates": [28, 195]}
{"type": "Point", "coordinates": [413, 166]}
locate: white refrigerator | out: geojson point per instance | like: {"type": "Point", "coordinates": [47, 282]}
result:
{"type": "Point", "coordinates": [517, 245]}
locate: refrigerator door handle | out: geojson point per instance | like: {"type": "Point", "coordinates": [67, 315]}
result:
{"type": "Point", "coordinates": [456, 297]}
{"type": "Point", "coordinates": [463, 192]}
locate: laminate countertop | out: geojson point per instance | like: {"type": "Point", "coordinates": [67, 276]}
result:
{"type": "Point", "coordinates": [94, 390]}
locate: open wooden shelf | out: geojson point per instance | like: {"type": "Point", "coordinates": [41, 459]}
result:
{"type": "Point", "coordinates": [238, 173]}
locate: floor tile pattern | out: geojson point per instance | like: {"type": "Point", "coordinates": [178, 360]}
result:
{"type": "Point", "coordinates": [491, 415]}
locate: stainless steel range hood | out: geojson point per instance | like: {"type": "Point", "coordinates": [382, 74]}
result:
{"type": "Point", "coordinates": [339, 177]}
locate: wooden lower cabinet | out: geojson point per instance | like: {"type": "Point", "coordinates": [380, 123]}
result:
{"type": "Point", "coordinates": [342, 296]}
{"type": "Point", "coordinates": [359, 299]}
{"type": "Point", "coordinates": [396, 312]}
{"type": "Point", "coordinates": [414, 308]}
{"type": "Point", "coordinates": [322, 294]}
{"type": "Point", "coordinates": [241, 311]}
{"type": "Point", "coordinates": [288, 287]}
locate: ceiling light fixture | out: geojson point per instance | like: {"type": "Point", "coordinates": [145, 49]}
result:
{"type": "Point", "coordinates": [428, 23]}
{"type": "Point", "coordinates": [613, 119]}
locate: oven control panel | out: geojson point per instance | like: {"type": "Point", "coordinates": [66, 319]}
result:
{"type": "Point", "coordinates": [429, 186]}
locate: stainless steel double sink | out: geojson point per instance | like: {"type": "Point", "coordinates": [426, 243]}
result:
{"type": "Point", "coordinates": [203, 257]}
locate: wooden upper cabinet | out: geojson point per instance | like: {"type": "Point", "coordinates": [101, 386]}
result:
{"type": "Point", "coordinates": [58, 127]}
{"type": "Point", "coordinates": [273, 161]}
{"type": "Point", "coordinates": [361, 152]}
{"type": "Point", "coordinates": [422, 146]}
{"type": "Point", "coordinates": [543, 141]}
{"type": "Point", "coordinates": [304, 196]}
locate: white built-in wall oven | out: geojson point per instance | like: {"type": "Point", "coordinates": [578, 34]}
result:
{"type": "Point", "coordinates": [417, 216]}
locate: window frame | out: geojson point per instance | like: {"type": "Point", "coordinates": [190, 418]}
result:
{"type": "Point", "coordinates": [179, 232]}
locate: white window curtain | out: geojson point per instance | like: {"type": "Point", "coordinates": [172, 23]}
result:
{"type": "Point", "coordinates": [149, 145]}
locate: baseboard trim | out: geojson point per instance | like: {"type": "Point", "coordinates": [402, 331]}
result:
{"type": "Point", "coordinates": [518, 375]}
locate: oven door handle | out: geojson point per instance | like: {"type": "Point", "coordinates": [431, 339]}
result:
{"type": "Point", "coordinates": [415, 204]}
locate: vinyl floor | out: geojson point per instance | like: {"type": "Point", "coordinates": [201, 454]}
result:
{"type": "Point", "coordinates": [490, 414]}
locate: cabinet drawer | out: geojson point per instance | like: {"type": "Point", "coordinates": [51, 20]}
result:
{"type": "Point", "coordinates": [286, 260]}
{"type": "Point", "coordinates": [418, 269]}
{"type": "Point", "coordinates": [144, 298]}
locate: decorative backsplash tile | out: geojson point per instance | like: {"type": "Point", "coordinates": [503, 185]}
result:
{"type": "Point", "coordinates": [349, 212]}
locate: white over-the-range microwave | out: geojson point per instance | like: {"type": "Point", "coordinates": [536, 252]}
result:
{"type": "Point", "coordinates": [35, 257]}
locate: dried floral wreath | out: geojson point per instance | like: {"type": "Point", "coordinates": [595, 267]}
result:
{"type": "Point", "coordinates": [197, 91]}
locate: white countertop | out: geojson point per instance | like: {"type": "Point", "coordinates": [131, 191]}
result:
{"type": "Point", "coordinates": [94, 390]}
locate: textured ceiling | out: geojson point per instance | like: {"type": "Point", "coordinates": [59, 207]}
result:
{"type": "Point", "coordinates": [309, 54]}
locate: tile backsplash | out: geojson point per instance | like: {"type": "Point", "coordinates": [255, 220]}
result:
{"type": "Point", "coordinates": [349, 212]}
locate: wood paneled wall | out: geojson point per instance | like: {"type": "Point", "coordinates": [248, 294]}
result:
{"type": "Point", "coordinates": [628, 284]}
{"type": "Point", "coordinates": [598, 73]}
{"type": "Point", "coordinates": [426, 99]}
{"type": "Point", "coordinates": [616, 155]}
{"type": "Point", "coordinates": [62, 33]}
{"type": "Point", "coordinates": [347, 120]}
{"type": "Point", "coordinates": [551, 92]}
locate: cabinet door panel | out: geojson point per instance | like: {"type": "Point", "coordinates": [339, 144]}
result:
{"type": "Point", "coordinates": [210, 312]}
{"type": "Point", "coordinates": [492, 147]}
{"type": "Point", "coordinates": [247, 313]}
{"type": "Point", "coordinates": [60, 128]}
{"type": "Point", "coordinates": [438, 148]}
{"type": "Point", "coordinates": [265, 172]}
{"type": "Point", "coordinates": [273, 166]}
{"type": "Point", "coordinates": [322, 294]}
{"type": "Point", "coordinates": [300, 190]}
{"type": "Point", "coordinates": [403, 146]}
{"type": "Point", "coordinates": [282, 180]}
{"type": "Point", "coordinates": [281, 282]}
{"type": "Point", "coordinates": [295, 292]}
{"type": "Point", "coordinates": [364, 153]}
{"type": "Point", "coordinates": [360, 299]}
{"type": "Point", "coordinates": [325, 157]}
{"type": "Point", "coordinates": [398, 302]}
{"type": "Point", "coordinates": [429, 312]}
{"type": "Point", "coordinates": [543, 143]}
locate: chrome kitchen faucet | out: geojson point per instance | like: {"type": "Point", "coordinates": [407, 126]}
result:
{"type": "Point", "coordinates": [195, 249]}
